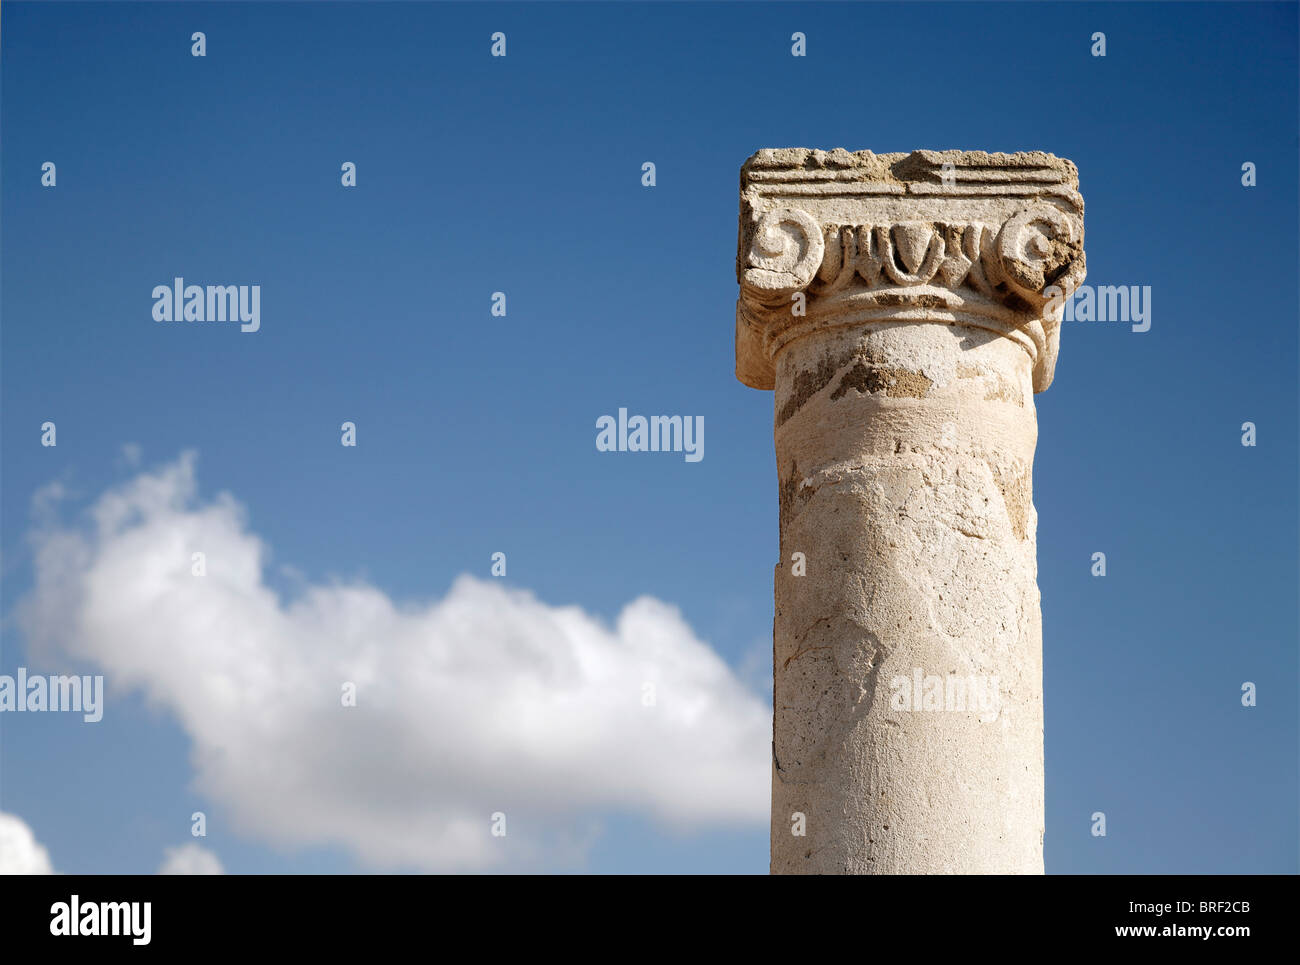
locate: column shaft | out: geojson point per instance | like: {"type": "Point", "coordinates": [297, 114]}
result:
{"type": "Point", "coordinates": [904, 453]}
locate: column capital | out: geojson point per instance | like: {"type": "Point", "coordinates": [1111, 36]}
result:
{"type": "Point", "coordinates": [834, 238]}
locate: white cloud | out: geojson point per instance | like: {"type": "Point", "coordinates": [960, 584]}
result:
{"type": "Point", "coordinates": [488, 700]}
{"type": "Point", "coordinates": [20, 852]}
{"type": "Point", "coordinates": [190, 859]}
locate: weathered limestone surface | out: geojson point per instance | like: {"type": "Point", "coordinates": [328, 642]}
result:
{"type": "Point", "coordinates": [905, 308]}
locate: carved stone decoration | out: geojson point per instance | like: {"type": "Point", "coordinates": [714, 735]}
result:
{"type": "Point", "coordinates": [993, 246]}
{"type": "Point", "coordinates": [905, 310]}
{"type": "Point", "coordinates": [1038, 247]}
{"type": "Point", "coordinates": [785, 254]}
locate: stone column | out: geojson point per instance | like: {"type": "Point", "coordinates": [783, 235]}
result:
{"type": "Point", "coordinates": [906, 308]}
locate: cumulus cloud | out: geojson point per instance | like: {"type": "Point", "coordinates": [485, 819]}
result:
{"type": "Point", "coordinates": [20, 852]}
{"type": "Point", "coordinates": [486, 701]}
{"type": "Point", "coordinates": [190, 859]}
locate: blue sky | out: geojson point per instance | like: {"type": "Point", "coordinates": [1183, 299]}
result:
{"type": "Point", "coordinates": [476, 433]}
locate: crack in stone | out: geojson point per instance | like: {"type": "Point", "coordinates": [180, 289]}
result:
{"type": "Point", "coordinates": [799, 653]}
